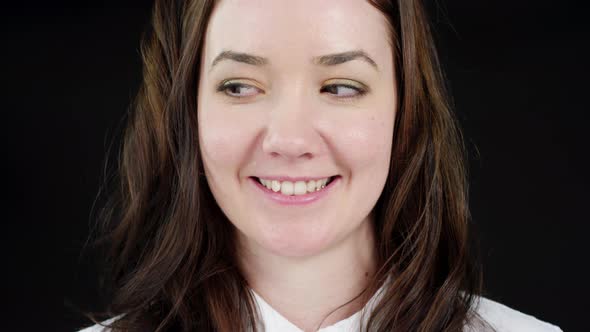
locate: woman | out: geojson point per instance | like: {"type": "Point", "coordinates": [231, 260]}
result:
{"type": "Point", "coordinates": [294, 165]}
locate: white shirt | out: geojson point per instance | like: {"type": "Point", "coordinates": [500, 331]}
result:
{"type": "Point", "coordinates": [501, 317]}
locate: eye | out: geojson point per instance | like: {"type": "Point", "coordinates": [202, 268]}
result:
{"type": "Point", "coordinates": [240, 90]}
{"type": "Point", "coordinates": [344, 91]}
{"type": "Point", "coordinates": [237, 90]}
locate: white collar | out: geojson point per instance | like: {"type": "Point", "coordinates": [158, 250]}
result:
{"type": "Point", "coordinates": [275, 322]}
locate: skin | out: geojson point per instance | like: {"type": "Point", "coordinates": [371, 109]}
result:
{"type": "Point", "coordinates": [305, 261]}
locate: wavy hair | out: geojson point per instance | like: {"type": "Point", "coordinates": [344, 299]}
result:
{"type": "Point", "coordinates": [171, 257]}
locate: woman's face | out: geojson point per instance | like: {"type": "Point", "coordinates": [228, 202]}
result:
{"type": "Point", "coordinates": [305, 91]}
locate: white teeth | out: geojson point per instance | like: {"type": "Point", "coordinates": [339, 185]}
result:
{"type": "Point", "coordinates": [310, 186]}
{"type": "Point", "coordinates": [320, 184]}
{"type": "Point", "coordinates": [276, 185]}
{"type": "Point", "coordinates": [298, 188]}
{"type": "Point", "coordinates": [287, 188]}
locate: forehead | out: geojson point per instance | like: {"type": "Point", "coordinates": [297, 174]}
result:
{"type": "Point", "coordinates": [287, 31]}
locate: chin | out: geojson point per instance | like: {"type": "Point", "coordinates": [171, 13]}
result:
{"type": "Point", "coordinates": [300, 240]}
{"type": "Point", "coordinates": [298, 243]}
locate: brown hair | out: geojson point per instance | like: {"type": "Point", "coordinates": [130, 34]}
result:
{"type": "Point", "coordinates": [172, 260]}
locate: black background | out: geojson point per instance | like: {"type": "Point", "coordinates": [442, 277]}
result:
{"type": "Point", "coordinates": [518, 73]}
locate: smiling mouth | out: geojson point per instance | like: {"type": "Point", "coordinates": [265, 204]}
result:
{"type": "Point", "coordinates": [296, 188]}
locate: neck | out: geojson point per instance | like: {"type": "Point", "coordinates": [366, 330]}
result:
{"type": "Point", "coordinates": [305, 290]}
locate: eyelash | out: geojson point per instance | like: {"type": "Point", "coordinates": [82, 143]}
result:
{"type": "Point", "coordinates": [224, 86]}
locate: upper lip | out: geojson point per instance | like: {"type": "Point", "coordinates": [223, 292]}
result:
{"type": "Point", "coordinates": [293, 178]}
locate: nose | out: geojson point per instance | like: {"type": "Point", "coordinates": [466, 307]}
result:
{"type": "Point", "coordinates": [290, 131]}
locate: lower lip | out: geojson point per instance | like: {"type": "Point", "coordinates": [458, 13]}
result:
{"type": "Point", "coordinates": [308, 198]}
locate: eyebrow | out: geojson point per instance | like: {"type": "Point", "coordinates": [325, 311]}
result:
{"type": "Point", "coordinates": [323, 60]}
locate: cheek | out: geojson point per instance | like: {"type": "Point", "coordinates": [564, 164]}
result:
{"type": "Point", "coordinates": [365, 140]}
{"type": "Point", "coordinates": [366, 149]}
{"type": "Point", "coordinates": [224, 137]}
